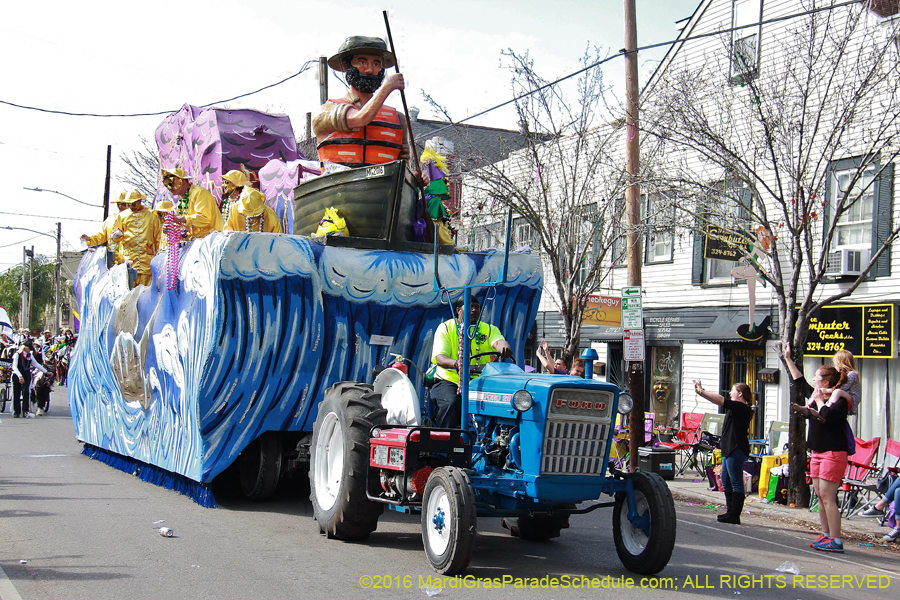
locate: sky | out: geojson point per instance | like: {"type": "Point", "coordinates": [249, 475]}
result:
{"type": "Point", "coordinates": [118, 57]}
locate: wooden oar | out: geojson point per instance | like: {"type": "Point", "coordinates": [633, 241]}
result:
{"type": "Point", "coordinates": [412, 138]}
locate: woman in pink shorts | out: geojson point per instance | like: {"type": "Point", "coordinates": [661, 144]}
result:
{"type": "Point", "coordinates": [827, 442]}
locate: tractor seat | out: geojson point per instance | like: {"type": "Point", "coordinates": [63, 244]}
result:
{"type": "Point", "coordinates": [398, 397]}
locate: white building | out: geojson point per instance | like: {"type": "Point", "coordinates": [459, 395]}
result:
{"type": "Point", "coordinates": [693, 306]}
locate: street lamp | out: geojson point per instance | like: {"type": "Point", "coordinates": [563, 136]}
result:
{"type": "Point", "coordinates": [58, 237]}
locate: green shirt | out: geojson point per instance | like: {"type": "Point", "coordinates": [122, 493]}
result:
{"type": "Point", "coordinates": [446, 342]}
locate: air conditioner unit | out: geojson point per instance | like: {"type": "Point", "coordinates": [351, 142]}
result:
{"type": "Point", "coordinates": [846, 262]}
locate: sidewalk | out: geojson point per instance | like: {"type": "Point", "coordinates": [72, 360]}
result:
{"type": "Point", "coordinates": [693, 490]}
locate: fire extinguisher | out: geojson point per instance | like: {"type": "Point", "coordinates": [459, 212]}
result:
{"type": "Point", "coordinates": [400, 364]}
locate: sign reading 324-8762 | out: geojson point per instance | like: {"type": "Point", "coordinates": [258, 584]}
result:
{"type": "Point", "coordinates": [632, 309]}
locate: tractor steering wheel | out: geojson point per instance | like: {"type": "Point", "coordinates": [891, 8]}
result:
{"type": "Point", "coordinates": [476, 369]}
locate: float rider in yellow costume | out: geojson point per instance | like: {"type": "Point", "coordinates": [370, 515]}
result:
{"type": "Point", "coordinates": [233, 183]}
{"type": "Point", "coordinates": [359, 129]}
{"type": "Point", "coordinates": [140, 241]}
{"type": "Point", "coordinates": [107, 231]}
{"type": "Point", "coordinates": [251, 214]}
{"type": "Point", "coordinates": [196, 211]}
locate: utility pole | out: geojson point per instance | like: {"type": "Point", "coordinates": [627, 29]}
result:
{"type": "Point", "coordinates": [106, 186]}
{"type": "Point", "coordinates": [23, 317]}
{"type": "Point", "coordinates": [58, 267]}
{"type": "Point", "coordinates": [633, 214]}
{"type": "Point", "coordinates": [31, 289]}
{"type": "Point", "coordinates": [323, 80]}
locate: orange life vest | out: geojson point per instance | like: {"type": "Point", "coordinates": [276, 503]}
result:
{"type": "Point", "coordinates": [378, 142]}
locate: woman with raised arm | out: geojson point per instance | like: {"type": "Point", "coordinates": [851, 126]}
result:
{"type": "Point", "coordinates": [735, 444]}
{"type": "Point", "coordinates": [827, 441]}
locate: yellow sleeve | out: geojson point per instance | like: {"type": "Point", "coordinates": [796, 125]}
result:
{"type": "Point", "coordinates": [203, 213]}
{"type": "Point", "coordinates": [234, 219]}
{"type": "Point", "coordinates": [271, 223]}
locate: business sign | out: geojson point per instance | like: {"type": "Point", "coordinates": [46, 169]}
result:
{"type": "Point", "coordinates": [633, 345]}
{"type": "Point", "coordinates": [632, 308]}
{"type": "Point", "coordinates": [866, 330]}
{"type": "Point", "coordinates": [602, 310]}
{"type": "Point", "coordinates": [723, 244]}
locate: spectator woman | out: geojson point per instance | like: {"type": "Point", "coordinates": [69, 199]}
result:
{"type": "Point", "coordinates": [827, 441]}
{"type": "Point", "coordinates": [892, 495]}
{"type": "Point", "coordinates": [735, 445]}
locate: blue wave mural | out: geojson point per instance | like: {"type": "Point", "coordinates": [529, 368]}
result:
{"type": "Point", "coordinates": [259, 326]}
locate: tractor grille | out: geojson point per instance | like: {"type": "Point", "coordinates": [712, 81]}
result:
{"type": "Point", "coordinates": [576, 434]}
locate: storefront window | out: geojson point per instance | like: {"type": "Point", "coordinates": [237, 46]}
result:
{"type": "Point", "coordinates": [665, 384]}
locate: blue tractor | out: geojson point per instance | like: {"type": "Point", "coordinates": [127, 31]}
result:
{"type": "Point", "coordinates": [530, 449]}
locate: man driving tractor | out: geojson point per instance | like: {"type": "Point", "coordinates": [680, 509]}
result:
{"type": "Point", "coordinates": [445, 353]}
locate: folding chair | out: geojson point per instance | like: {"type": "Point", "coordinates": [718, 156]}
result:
{"type": "Point", "coordinates": [711, 424]}
{"type": "Point", "coordinates": [772, 444]}
{"type": "Point", "coordinates": [891, 465]}
{"type": "Point", "coordinates": [685, 437]}
{"type": "Point", "coordinates": [859, 482]}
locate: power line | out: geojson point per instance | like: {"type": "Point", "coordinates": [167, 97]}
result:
{"type": "Point", "coordinates": [622, 52]}
{"type": "Point", "coordinates": [49, 217]}
{"type": "Point", "coordinates": [22, 242]}
{"type": "Point", "coordinates": [303, 69]}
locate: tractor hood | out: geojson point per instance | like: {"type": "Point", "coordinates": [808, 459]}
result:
{"type": "Point", "coordinates": [491, 393]}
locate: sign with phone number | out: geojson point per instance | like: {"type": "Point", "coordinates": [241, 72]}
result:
{"type": "Point", "coordinates": [866, 330]}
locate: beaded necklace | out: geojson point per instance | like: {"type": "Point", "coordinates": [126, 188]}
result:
{"type": "Point", "coordinates": [248, 228]}
{"type": "Point", "coordinates": [173, 252]}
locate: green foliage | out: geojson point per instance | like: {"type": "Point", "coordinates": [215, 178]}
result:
{"type": "Point", "coordinates": [44, 291]}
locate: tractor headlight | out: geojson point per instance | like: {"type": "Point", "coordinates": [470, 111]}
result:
{"type": "Point", "coordinates": [522, 400]}
{"type": "Point", "coordinates": [626, 403]}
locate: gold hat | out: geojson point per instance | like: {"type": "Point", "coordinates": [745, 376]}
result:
{"type": "Point", "coordinates": [121, 198]}
{"type": "Point", "coordinates": [136, 196]}
{"type": "Point", "coordinates": [176, 172]}
{"type": "Point", "coordinates": [252, 203]}
{"type": "Point", "coordinates": [236, 178]}
{"type": "Point", "coordinates": [163, 207]}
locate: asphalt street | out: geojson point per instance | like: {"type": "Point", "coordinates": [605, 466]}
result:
{"type": "Point", "coordinates": [72, 527]}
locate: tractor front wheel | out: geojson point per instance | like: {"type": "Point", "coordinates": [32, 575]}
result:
{"type": "Point", "coordinates": [339, 460]}
{"type": "Point", "coordinates": [449, 520]}
{"type": "Point", "coordinates": [645, 546]}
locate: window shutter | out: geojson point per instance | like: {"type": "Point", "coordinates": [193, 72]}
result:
{"type": "Point", "coordinates": [698, 262]}
{"type": "Point", "coordinates": [884, 192]}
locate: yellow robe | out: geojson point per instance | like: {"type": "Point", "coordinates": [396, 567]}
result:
{"type": "Point", "coordinates": [202, 215]}
{"type": "Point", "coordinates": [141, 241]}
{"type": "Point", "coordinates": [238, 222]}
{"type": "Point", "coordinates": [104, 238]}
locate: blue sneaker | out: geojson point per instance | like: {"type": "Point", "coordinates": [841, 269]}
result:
{"type": "Point", "coordinates": [822, 537]}
{"type": "Point", "coordinates": [830, 545]}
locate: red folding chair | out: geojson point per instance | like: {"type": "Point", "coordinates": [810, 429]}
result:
{"type": "Point", "coordinates": [858, 485]}
{"type": "Point", "coordinates": [685, 437]}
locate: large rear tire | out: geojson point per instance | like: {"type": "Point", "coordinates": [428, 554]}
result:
{"type": "Point", "coordinates": [645, 549]}
{"type": "Point", "coordinates": [339, 460]}
{"type": "Point", "coordinates": [260, 466]}
{"type": "Point", "coordinates": [449, 520]}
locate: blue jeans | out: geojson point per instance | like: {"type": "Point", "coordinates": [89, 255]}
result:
{"type": "Point", "coordinates": [893, 495]}
{"type": "Point", "coordinates": [733, 471]}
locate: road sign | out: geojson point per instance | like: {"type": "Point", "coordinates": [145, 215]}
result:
{"type": "Point", "coordinates": [633, 342]}
{"type": "Point", "coordinates": [632, 309]}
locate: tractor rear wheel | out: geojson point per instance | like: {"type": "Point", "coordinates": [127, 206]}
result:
{"type": "Point", "coordinates": [646, 548]}
{"type": "Point", "coordinates": [4, 393]}
{"type": "Point", "coordinates": [260, 466]}
{"type": "Point", "coordinates": [339, 460]}
{"type": "Point", "coordinates": [449, 520]}
{"type": "Point", "coordinates": [538, 527]}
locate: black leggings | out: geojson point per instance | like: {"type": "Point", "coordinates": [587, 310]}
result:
{"type": "Point", "coordinates": [21, 391]}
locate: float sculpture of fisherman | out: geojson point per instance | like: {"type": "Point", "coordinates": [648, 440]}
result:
{"type": "Point", "coordinates": [359, 129]}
